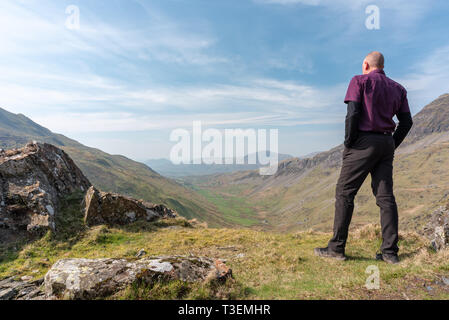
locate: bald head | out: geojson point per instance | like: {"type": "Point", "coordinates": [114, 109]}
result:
{"type": "Point", "coordinates": [374, 60]}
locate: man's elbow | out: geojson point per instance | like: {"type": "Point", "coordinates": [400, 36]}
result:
{"type": "Point", "coordinates": [405, 121]}
{"type": "Point", "coordinates": [409, 124]}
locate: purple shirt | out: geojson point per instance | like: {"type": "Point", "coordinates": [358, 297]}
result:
{"type": "Point", "coordinates": [381, 99]}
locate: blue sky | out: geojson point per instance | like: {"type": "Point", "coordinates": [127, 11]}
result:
{"type": "Point", "coordinates": [136, 70]}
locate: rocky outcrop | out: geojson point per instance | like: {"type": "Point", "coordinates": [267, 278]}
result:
{"type": "Point", "coordinates": [110, 208]}
{"type": "Point", "coordinates": [11, 289]}
{"type": "Point", "coordinates": [298, 166]}
{"type": "Point", "coordinates": [437, 230]}
{"type": "Point", "coordinates": [33, 180]}
{"type": "Point", "coordinates": [99, 278]}
{"type": "Point", "coordinates": [433, 118]}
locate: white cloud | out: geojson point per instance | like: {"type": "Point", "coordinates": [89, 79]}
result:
{"type": "Point", "coordinates": [161, 40]}
{"type": "Point", "coordinates": [77, 99]}
{"type": "Point", "coordinates": [290, 2]}
{"type": "Point", "coordinates": [405, 12]}
{"type": "Point", "coordinates": [428, 79]}
{"type": "Point", "coordinates": [266, 102]}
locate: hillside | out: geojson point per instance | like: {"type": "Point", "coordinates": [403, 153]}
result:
{"type": "Point", "coordinates": [433, 119]}
{"type": "Point", "coordinates": [112, 173]}
{"type": "Point", "coordinates": [106, 246]}
{"type": "Point", "coordinates": [257, 264]}
{"type": "Point", "coordinates": [265, 265]}
{"type": "Point", "coordinates": [301, 194]}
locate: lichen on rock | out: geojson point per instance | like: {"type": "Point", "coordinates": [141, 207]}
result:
{"type": "Point", "coordinates": [11, 289]}
{"type": "Point", "coordinates": [437, 230]}
{"type": "Point", "coordinates": [33, 180]}
{"type": "Point", "coordinates": [99, 278]}
{"type": "Point", "coordinates": [110, 208]}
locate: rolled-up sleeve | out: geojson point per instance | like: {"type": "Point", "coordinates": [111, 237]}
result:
{"type": "Point", "coordinates": [354, 92]}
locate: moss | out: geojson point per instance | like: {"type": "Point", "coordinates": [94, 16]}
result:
{"type": "Point", "coordinates": [158, 290]}
{"type": "Point", "coordinates": [69, 223]}
{"type": "Point", "coordinates": [175, 290]}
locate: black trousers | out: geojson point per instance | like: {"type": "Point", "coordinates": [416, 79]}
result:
{"type": "Point", "coordinates": [371, 154]}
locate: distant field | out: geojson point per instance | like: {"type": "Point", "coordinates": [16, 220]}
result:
{"type": "Point", "coordinates": [233, 208]}
{"type": "Point", "coordinates": [299, 202]}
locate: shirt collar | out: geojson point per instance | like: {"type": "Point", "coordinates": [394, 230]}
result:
{"type": "Point", "coordinates": [381, 71]}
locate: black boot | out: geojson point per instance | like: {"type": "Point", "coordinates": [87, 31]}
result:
{"type": "Point", "coordinates": [326, 253]}
{"type": "Point", "coordinates": [388, 257]}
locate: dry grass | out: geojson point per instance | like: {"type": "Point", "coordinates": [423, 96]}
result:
{"type": "Point", "coordinates": [266, 265]}
{"type": "Point", "coordinates": [299, 202]}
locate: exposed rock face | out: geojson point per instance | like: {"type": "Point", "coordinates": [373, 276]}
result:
{"type": "Point", "coordinates": [11, 289]}
{"type": "Point", "coordinates": [329, 159]}
{"type": "Point", "coordinates": [110, 208]}
{"type": "Point", "coordinates": [33, 179]}
{"type": "Point", "coordinates": [438, 228]}
{"type": "Point", "coordinates": [433, 118]}
{"type": "Point", "coordinates": [98, 278]}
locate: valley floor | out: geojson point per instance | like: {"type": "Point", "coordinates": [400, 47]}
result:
{"type": "Point", "coordinates": [265, 265]}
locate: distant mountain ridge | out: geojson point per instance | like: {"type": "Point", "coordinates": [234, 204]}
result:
{"type": "Point", "coordinates": [299, 196]}
{"type": "Point", "coordinates": [301, 193]}
{"type": "Point", "coordinates": [16, 130]}
{"type": "Point", "coordinates": [166, 168]}
{"type": "Point", "coordinates": [111, 173]}
{"type": "Point", "coordinates": [432, 119]}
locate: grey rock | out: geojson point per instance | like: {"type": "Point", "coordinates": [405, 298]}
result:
{"type": "Point", "coordinates": [11, 289]}
{"type": "Point", "coordinates": [437, 230]}
{"type": "Point", "coordinates": [6, 281]}
{"type": "Point", "coordinates": [26, 278]}
{"type": "Point", "coordinates": [32, 294]}
{"type": "Point", "coordinates": [33, 181]}
{"type": "Point", "coordinates": [445, 280]}
{"type": "Point", "coordinates": [141, 253]}
{"type": "Point", "coordinates": [110, 208]}
{"type": "Point", "coordinates": [8, 293]}
{"type": "Point", "coordinates": [99, 278]}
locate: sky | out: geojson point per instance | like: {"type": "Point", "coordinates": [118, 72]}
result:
{"type": "Point", "coordinates": [136, 70]}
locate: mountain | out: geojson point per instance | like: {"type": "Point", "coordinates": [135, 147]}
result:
{"type": "Point", "coordinates": [166, 168]}
{"type": "Point", "coordinates": [111, 173]}
{"type": "Point", "coordinates": [432, 119]}
{"type": "Point", "coordinates": [301, 194]}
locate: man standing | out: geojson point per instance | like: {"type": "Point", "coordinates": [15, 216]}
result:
{"type": "Point", "coordinates": [371, 138]}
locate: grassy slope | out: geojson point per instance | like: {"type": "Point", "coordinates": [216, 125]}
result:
{"type": "Point", "coordinates": [266, 265]}
{"type": "Point", "coordinates": [421, 181]}
{"type": "Point", "coordinates": [112, 173]}
{"type": "Point", "coordinates": [301, 196]}
{"type": "Point", "coordinates": [121, 175]}
{"type": "Point", "coordinates": [233, 208]}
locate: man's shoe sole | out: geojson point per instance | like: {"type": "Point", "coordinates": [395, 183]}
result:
{"type": "Point", "coordinates": [319, 254]}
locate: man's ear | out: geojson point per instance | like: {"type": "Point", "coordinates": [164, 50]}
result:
{"type": "Point", "coordinates": [365, 66]}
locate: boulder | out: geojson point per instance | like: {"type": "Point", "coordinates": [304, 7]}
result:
{"type": "Point", "coordinates": [99, 278]}
{"type": "Point", "coordinates": [110, 208]}
{"type": "Point", "coordinates": [11, 289]}
{"type": "Point", "coordinates": [33, 180]}
{"type": "Point", "coordinates": [437, 230]}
